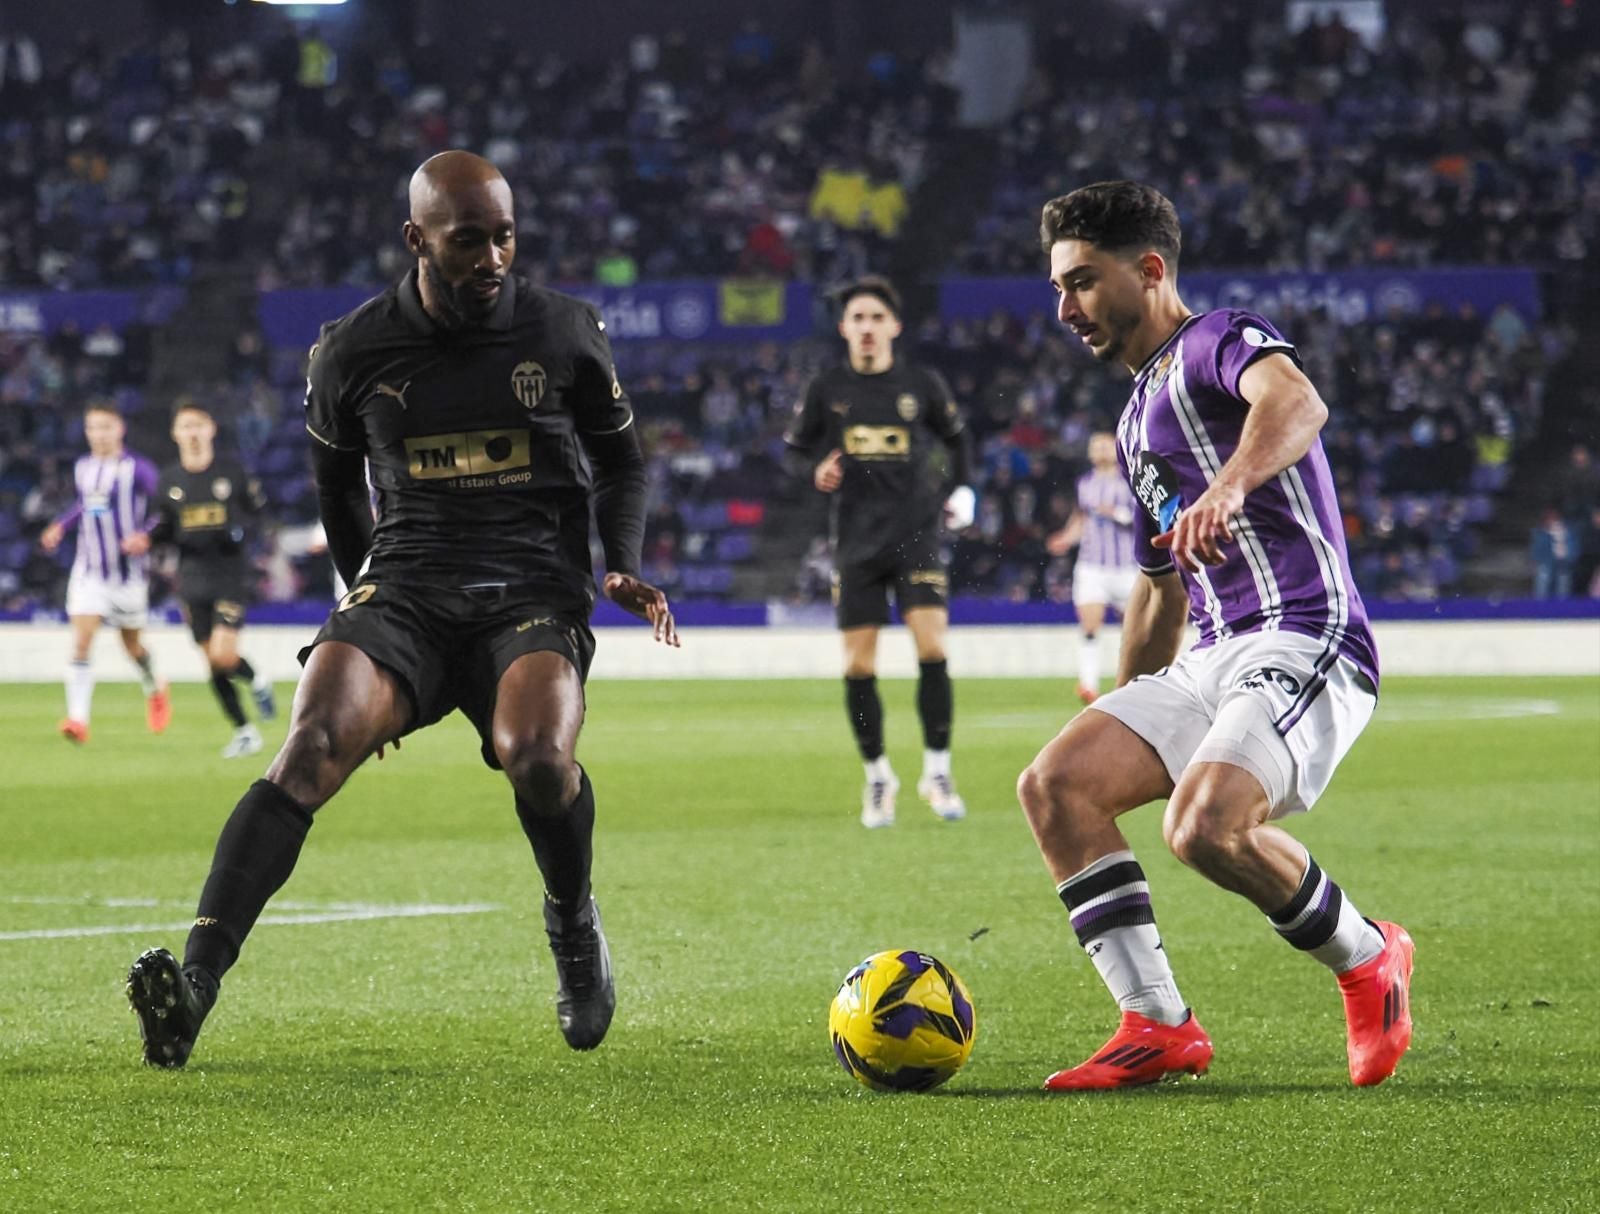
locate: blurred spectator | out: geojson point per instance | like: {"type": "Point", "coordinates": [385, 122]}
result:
{"type": "Point", "coordinates": [1554, 551]}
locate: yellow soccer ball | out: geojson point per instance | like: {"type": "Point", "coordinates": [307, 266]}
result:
{"type": "Point", "coordinates": [902, 1022]}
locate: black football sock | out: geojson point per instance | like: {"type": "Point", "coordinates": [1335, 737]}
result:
{"type": "Point", "coordinates": [228, 697]}
{"type": "Point", "coordinates": [244, 671]}
{"type": "Point", "coordinates": [563, 845]}
{"type": "Point", "coordinates": [935, 704]}
{"type": "Point", "coordinates": [255, 855]}
{"type": "Point", "coordinates": [866, 715]}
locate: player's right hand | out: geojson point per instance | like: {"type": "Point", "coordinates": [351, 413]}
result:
{"type": "Point", "coordinates": [830, 472]}
{"type": "Point", "coordinates": [644, 601]}
{"type": "Point", "coordinates": [50, 537]}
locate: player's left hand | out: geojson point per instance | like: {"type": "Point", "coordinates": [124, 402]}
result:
{"type": "Point", "coordinates": [381, 745]}
{"type": "Point", "coordinates": [136, 543]}
{"type": "Point", "coordinates": [1202, 529]}
{"type": "Point", "coordinates": [960, 508]}
{"type": "Point", "coordinates": [644, 601]}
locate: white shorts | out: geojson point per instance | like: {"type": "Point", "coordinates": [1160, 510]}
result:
{"type": "Point", "coordinates": [120, 604]}
{"type": "Point", "coordinates": [1103, 584]}
{"type": "Point", "coordinates": [1263, 702]}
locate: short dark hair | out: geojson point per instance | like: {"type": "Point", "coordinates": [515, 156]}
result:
{"type": "Point", "coordinates": [875, 285]}
{"type": "Point", "coordinates": [1118, 216]}
{"type": "Point", "coordinates": [103, 405]}
{"type": "Point", "coordinates": [188, 404]}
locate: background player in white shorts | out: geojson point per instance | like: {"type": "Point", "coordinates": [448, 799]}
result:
{"type": "Point", "coordinates": [110, 581]}
{"type": "Point", "coordinates": [1101, 528]}
{"type": "Point", "coordinates": [1237, 529]}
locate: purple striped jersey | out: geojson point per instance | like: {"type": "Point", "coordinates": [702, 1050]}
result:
{"type": "Point", "coordinates": [1107, 540]}
{"type": "Point", "coordinates": [115, 499]}
{"type": "Point", "coordinates": [1287, 568]}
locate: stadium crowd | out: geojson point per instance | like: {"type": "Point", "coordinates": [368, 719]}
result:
{"type": "Point", "coordinates": [674, 159]}
{"type": "Point", "coordinates": [679, 158]}
{"type": "Point", "coordinates": [1427, 411]}
{"type": "Point", "coordinates": [1451, 140]}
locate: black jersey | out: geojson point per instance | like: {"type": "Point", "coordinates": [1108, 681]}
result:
{"type": "Point", "coordinates": [472, 436]}
{"type": "Point", "coordinates": [209, 516]}
{"type": "Point", "coordinates": [882, 424]}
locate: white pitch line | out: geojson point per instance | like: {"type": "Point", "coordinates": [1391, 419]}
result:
{"type": "Point", "coordinates": [417, 911]}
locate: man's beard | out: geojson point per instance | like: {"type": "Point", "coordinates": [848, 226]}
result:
{"type": "Point", "coordinates": [458, 307]}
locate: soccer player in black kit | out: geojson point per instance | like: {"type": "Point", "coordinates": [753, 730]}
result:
{"type": "Point", "coordinates": [861, 433]}
{"type": "Point", "coordinates": [473, 397]}
{"type": "Point", "coordinates": [208, 508]}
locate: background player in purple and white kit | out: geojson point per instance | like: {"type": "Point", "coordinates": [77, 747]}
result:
{"type": "Point", "coordinates": [1101, 528]}
{"type": "Point", "coordinates": [112, 517]}
{"type": "Point", "coordinates": [1238, 531]}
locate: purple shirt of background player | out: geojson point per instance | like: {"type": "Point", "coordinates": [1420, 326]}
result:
{"type": "Point", "coordinates": [115, 499]}
{"type": "Point", "coordinates": [1106, 540]}
{"type": "Point", "coordinates": [1181, 425]}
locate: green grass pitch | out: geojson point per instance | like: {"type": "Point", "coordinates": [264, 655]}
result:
{"type": "Point", "coordinates": [407, 1063]}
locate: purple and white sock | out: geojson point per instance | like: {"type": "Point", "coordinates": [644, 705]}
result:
{"type": "Point", "coordinates": [1321, 921]}
{"type": "Point", "coordinates": [1109, 902]}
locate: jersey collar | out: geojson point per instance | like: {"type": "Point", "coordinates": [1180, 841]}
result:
{"type": "Point", "coordinates": [417, 317]}
{"type": "Point", "coordinates": [1166, 345]}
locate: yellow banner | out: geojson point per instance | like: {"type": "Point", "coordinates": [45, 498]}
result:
{"type": "Point", "coordinates": [750, 302]}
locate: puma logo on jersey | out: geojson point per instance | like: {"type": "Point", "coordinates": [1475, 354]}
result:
{"type": "Point", "coordinates": [390, 390]}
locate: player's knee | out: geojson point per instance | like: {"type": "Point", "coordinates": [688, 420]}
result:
{"type": "Point", "coordinates": [1202, 839]}
{"type": "Point", "coordinates": [544, 775]}
{"type": "Point", "coordinates": [317, 756]}
{"type": "Point", "coordinates": [1049, 793]}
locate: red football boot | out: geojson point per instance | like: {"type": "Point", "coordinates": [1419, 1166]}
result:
{"type": "Point", "coordinates": [158, 710]}
{"type": "Point", "coordinates": [1377, 1007]}
{"type": "Point", "coordinates": [1141, 1051]}
{"type": "Point", "coordinates": [1087, 695]}
{"type": "Point", "coordinates": [73, 731]}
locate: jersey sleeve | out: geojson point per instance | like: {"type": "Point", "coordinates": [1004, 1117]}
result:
{"type": "Point", "coordinates": [809, 425]}
{"type": "Point", "coordinates": [944, 415]}
{"type": "Point", "coordinates": [165, 510]}
{"type": "Point", "coordinates": [327, 414]}
{"type": "Point", "coordinates": [1246, 338]}
{"type": "Point", "coordinates": [146, 481]}
{"type": "Point", "coordinates": [599, 404]}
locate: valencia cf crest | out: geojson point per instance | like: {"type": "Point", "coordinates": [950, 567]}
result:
{"type": "Point", "coordinates": [906, 406]}
{"type": "Point", "coordinates": [222, 488]}
{"type": "Point", "coordinates": [528, 382]}
{"type": "Point", "coordinates": [1163, 369]}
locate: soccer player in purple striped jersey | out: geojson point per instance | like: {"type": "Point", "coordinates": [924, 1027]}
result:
{"type": "Point", "coordinates": [1101, 529]}
{"type": "Point", "coordinates": [112, 516]}
{"type": "Point", "coordinates": [1238, 533]}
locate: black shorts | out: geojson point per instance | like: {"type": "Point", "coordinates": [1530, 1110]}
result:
{"type": "Point", "coordinates": [916, 571]}
{"type": "Point", "coordinates": [208, 613]}
{"type": "Point", "coordinates": [448, 648]}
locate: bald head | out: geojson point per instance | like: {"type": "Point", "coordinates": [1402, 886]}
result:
{"type": "Point", "coordinates": [462, 231]}
{"type": "Point", "coordinates": [441, 179]}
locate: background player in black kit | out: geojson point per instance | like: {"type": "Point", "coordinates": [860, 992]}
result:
{"type": "Point", "coordinates": [470, 394]}
{"type": "Point", "coordinates": [861, 432]}
{"type": "Point", "coordinates": [209, 509]}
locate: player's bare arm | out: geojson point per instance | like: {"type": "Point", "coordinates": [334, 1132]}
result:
{"type": "Point", "coordinates": [1063, 541]}
{"type": "Point", "coordinates": [1285, 415]}
{"type": "Point", "coordinates": [1152, 627]}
